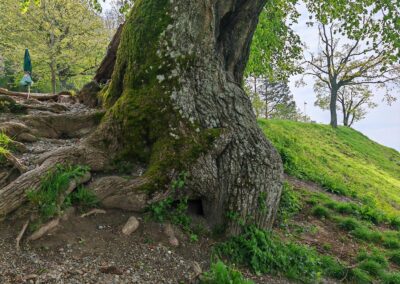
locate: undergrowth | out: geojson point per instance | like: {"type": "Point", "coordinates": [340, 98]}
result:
{"type": "Point", "coordinates": [289, 205]}
{"type": "Point", "coordinates": [221, 274]}
{"type": "Point", "coordinates": [263, 253]}
{"type": "Point", "coordinates": [342, 161]}
{"type": "Point", "coordinates": [174, 210]}
{"type": "Point", "coordinates": [45, 199]}
{"type": "Point", "coordinates": [5, 142]}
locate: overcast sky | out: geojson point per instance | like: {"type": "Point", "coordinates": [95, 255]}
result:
{"type": "Point", "coordinates": [381, 124]}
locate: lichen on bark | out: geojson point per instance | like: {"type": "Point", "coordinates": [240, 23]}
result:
{"type": "Point", "coordinates": [175, 104]}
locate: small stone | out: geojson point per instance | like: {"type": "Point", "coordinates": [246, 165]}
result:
{"type": "Point", "coordinates": [131, 226]}
{"type": "Point", "coordinates": [111, 270]}
{"type": "Point", "coordinates": [174, 242]}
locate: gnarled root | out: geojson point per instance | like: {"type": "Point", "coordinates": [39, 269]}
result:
{"type": "Point", "coordinates": [119, 193]}
{"type": "Point", "coordinates": [14, 194]}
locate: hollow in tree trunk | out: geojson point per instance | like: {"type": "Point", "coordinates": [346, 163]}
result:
{"type": "Point", "coordinates": [175, 104]}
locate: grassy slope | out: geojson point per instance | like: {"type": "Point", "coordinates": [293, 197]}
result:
{"type": "Point", "coordinates": [341, 160]}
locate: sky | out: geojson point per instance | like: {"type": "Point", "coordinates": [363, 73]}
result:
{"type": "Point", "coordinates": [381, 124]}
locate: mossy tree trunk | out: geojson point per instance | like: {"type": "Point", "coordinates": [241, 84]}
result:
{"type": "Point", "coordinates": [175, 104]}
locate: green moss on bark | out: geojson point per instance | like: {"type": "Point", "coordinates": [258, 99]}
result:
{"type": "Point", "coordinates": [148, 127]}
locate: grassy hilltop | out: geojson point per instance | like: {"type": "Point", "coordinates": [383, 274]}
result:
{"type": "Point", "coordinates": [342, 160]}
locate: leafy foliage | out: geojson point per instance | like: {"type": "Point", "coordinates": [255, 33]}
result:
{"type": "Point", "coordinates": [83, 198]}
{"type": "Point", "coordinates": [46, 198]}
{"type": "Point", "coordinates": [290, 203]}
{"type": "Point", "coordinates": [67, 40]}
{"type": "Point", "coordinates": [171, 210]}
{"type": "Point", "coordinates": [264, 253]}
{"type": "Point", "coordinates": [222, 274]}
{"type": "Point", "coordinates": [275, 48]}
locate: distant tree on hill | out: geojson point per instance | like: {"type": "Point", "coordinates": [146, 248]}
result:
{"type": "Point", "coordinates": [353, 101]}
{"type": "Point", "coordinates": [362, 60]}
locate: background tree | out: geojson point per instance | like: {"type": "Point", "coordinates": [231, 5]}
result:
{"type": "Point", "coordinates": [275, 48]}
{"type": "Point", "coordinates": [67, 40]}
{"type": "Point", "coordinates": [353, 101]}
{"type": "Point", "coordinates": [364, 59]}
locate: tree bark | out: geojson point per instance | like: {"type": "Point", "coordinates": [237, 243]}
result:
{"type": "Point", "coordinates": [53, 77]}
{"type": "Point", "coordinates": [175, 105]}
{"type": "Point", "coordinates": [106, 68]}
{"type": "Point", "coordinates": [332, 107]}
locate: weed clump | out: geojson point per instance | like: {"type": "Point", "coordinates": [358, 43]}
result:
{"type": "Point", "coordinates": [46, 198]}
{"type": "Point", "coordinates": [290, 203]}
{"type": "Point", "coordinates": [222, 274]}
{"type": "Point", "coordinates": [264, 253]}
{"type": "Point", "coordinates": [320, 211]}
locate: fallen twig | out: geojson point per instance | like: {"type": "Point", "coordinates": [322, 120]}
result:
{"type": "Point", "coordinates": [93, 212]}
{"type": "Point", "coordinates": [44, 229]}
{"type": "Point", "coordinates": [21, 235]}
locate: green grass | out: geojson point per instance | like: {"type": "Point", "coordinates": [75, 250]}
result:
{"type": "Point", "coordinates": [320, 211]}
{"type": "Point", "coordinates": [222, 274]}
{"type": "Point", "coordinates": [264, 253]}
{"type": "Point", "coordinates": [5, 143]}
{"type": "Point", "coordinates": [46, 198]}
{"type": "Point", "coordinates": [341, 160]}
{"type": "Point", "coordinates": [289, 205]}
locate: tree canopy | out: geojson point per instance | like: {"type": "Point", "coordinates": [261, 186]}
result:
{"type": "Point", "coordinates": [67, 41]}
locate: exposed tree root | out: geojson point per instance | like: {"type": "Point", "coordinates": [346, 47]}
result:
{"type": "Point", "coordinates": [44, 229]}
{"type": "Point", "coordinates": [15, 162]}
{"type": "Point", "coordinates": [93, 212]}
{"type": "Point", "coordinates": [14, 194]}
{"type": "Point", "coordinates": [40, 97]}
{"type": "Point", "coordinates": [54, 107]}
{"type": "Point", "coordinates": [73, 184]}
{"type": "Point", "coordinates": [119, 193]}
{"type": "Point", "coordinates": [21, 235]}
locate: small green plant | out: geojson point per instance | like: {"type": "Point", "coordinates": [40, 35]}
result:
{"type": "Point", "coordinates": [327, 247]}
{"type": "Point", "coordinates": [290, 203]}
{"type": "Point", "coordinates": [5, 143]}
{"type": "Point", "coordinates": [222, 274]}
{"type": "Point", "coordinates": [395, 223]}
{"type": "Point", "coordinates": [84, 198]}
{"type": "Point", "coordinates": [320, 211]}
{"type": "Point", "coordinates": [349, 224]}
{"type": "Point", "coordinates": [390, 278]}
{"type": "Point", "coordinates": [194, 238]}
{"type": "Point", "coordinates": [366, 234]}
{"type": "Point", "coordinates": [394, 257]}
{"type": "Point", "coordinates": [333, 268]}
{"type": "Point", "coordinates": [46, 198]}
{"type": "Point", "coordinates": [171, 210]}
{"type": "Point", "coordinates": [390, 241]}
{"type": "Point", "coordinates": [264, 253]}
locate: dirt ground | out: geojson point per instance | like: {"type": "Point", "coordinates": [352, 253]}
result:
{"type": "Point", "coordinates": [93, 250]}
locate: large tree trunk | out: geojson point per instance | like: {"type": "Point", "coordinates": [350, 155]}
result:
{"type": "Point", "coordinates": [175, 104]}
